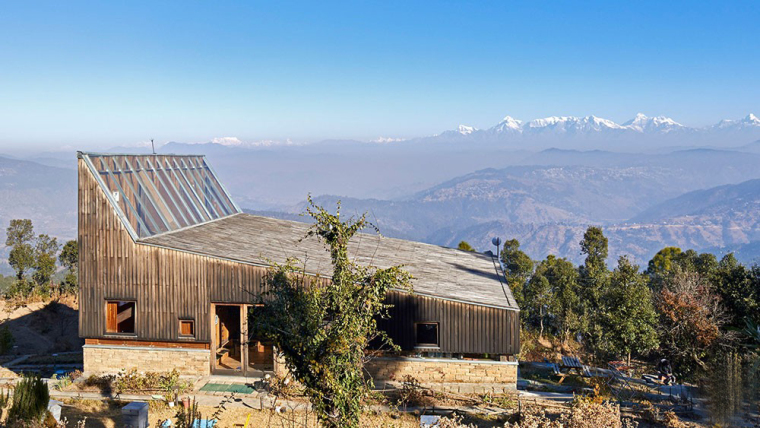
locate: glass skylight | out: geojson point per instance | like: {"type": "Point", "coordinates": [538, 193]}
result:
{"type": "Point", "coordinates": [161, 193]}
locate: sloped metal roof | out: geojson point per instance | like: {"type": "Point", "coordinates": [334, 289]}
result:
{"type": "Point", "coordinates": [156, 194]}
{"type": "Point", "coordinates": [438, 271]}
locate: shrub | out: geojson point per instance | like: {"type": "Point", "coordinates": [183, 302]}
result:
{"type": "Point", "coordinates": [6, 340]}
{"type": "Point", "coordinates": [30, 399]}
{"type": "Point", "coordinates": [132, 380]}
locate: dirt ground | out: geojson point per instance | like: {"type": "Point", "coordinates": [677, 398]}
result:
{"type": "Point", "coordinates": [43, 327]}
{"type": "Point", "coordinates": [102, 414]}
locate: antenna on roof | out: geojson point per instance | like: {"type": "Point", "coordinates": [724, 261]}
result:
{"type": "Point", "coordinates": [497, 242]}
{"type": "Point", "coordinates": [152, 146]}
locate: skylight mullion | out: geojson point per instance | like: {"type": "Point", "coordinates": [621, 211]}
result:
{"type": "Point", "coordinates": [233, 208]}
{"type": "Point", "coordinates": [182, 177]}
{"type": "Point", "coordinates": [123, 195]}
{"type": "Point", "coordinates": [202, 188]}
{"type": "Point", "coordinates": [197, 218]}
{"type": "Point", "coordinates": [209, 182]}
{"type": "Point", "coordinates": [134, 192]}
{"type": "Point", "coordinates": [171, 197]}
{"type": "Point", "coordinates": [162, 205]}
{"type": "Point", "coordinates": [193, 175]}
{"type": "Point", "coordinates": [218, 192]}
{"type": "Point", "coordinates": [164, 177]}
{"type": "Point", "coordinates": [147, 191]}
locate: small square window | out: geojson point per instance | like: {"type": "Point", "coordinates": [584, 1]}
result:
{"type": "Point", "coordinates": [186, 328]}
{"type": "Point", "coordinates": [120, 317]}
{"type": "Point", "coordinates": [427, 334]}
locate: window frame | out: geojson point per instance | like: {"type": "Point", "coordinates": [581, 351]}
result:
{"type": "Point", "coordinates": [192, 328]}
{"type": "Point", "coordinates": [133, 333]}
{"type": "Point", "coordinates": [418, 344]}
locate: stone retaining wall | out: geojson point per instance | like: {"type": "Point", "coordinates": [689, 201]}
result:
{"type": "Point", "coordinates": [112, 359]}
{"type": "Point", "coordinates": [464, 376]}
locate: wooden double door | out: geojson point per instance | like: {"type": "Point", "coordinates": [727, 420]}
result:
{"type": "Point", "coordinates": [234, 351]}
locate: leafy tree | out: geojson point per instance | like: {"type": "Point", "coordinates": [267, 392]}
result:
{"type": "Point", "coordinates": [691, 318]}
{"type": "Point", "coordinates": [69, 259]}
{"type": "Point", "coordinates": [563, 303]}
{"type": "Point", "coordinates": [45, 251]}
{"type": "Point", "coordinates": [667, 260]}
{"type": "Point", "coordinates": [594, 277]}
{"type": "Point", "coordinates": [465, 246]}
{"type": "Point", "coordinates": [322, 328]}
{"type": "Point", "coordinates": [663, 262]}
{"type": "Point", "coordinates": [518, 267]}
{"type": "Point", "coordinates": [20, 236]}
{"type": "Point", "coordinates": [630, 317]}
{"type": "Point", "coordinates": [595, 246]}
{"type": "Point", "coordinates": [739, 293]}
{"type": "Point", "coordinates": [539, 297]}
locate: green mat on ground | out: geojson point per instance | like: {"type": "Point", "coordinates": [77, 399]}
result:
{"type": "Point", "coordinates": [221, 387]}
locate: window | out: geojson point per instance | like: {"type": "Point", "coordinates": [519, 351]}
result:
{"type": "Point", "coordinates": [120, 317]}
{"type": "Point", "coordinates": [186, 328]}
{"type": "Point", "coordinates": [427, 334]}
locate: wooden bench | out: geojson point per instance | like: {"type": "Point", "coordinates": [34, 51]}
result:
{"type": "Point", "coordinates": [570, 364]}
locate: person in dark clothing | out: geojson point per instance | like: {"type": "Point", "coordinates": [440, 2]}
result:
{"type": "Point", "coordinates": [665, 372]}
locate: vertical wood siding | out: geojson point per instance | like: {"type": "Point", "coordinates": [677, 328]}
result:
{"type": "Point", "coordinates": [462, 328]}
{"type": "Point", "coordinates": [170, 285]}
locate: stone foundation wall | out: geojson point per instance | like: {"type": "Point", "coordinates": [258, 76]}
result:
{"type": "Point", "coordinates": [463, 376]}
{"type": "Point", "coordinates": [114, 358]}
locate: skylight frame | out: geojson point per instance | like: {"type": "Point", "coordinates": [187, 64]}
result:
{"type": "Point", "coordinates": [155, 194]}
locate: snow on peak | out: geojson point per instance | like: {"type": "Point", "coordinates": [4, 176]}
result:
{"type": "Point", "coordinates": [384, 140]}
{"type": "Point", "coordinates": [466, 130]}
{"type": "Point", "coordinates": [227, 141]}
{"type": "Point", "coordinates": [571, 124]}
{"type": "Point", "coordinates": [750, 121]}
{"type": "Point", "coordinates": [643, 123]}
{"type": "Point", "coordinates": [508, 124]}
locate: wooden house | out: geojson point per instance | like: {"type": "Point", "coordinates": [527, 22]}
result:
{"type": "Point", "coordinates": [170, 267]}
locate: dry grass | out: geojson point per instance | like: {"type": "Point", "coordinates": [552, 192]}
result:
{"type": "Point", "coordinates": [107, 414]}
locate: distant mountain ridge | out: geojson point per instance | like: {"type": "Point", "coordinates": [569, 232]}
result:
{"type": "Point", "coordinates": [597, 132]}
{"type": "Point", "coordinates": [640, 124]}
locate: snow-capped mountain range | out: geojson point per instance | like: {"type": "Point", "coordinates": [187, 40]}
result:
{"type": "Point", "coordinates": [580, 125]}
{"type": "Point", "coordinates": [593, 132]}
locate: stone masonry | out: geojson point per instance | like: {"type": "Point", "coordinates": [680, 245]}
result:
{"type": "Point", "coordinates": [113, 358]}
{"type": "Point", "coordinates": [452, 375]}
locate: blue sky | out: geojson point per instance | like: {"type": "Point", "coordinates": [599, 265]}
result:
{"type": "Point", "coordinates": [115, 73]}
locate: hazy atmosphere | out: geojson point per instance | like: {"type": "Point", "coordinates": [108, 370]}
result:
{"type": "Point", "coordinates": [563, 190]}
